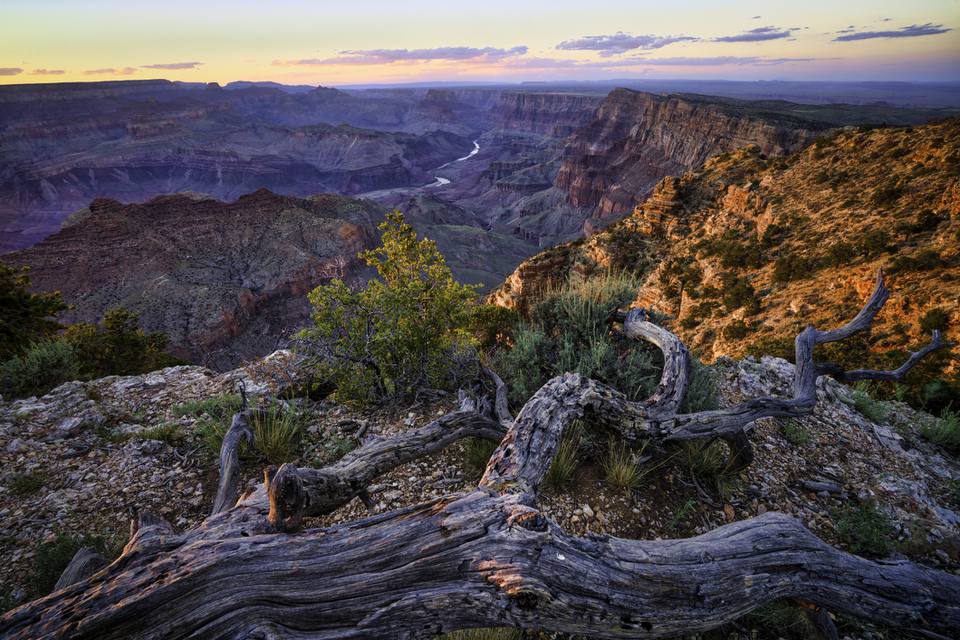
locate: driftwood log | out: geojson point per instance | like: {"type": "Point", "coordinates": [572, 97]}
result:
{"type": "Point", "coordinates": [490, 557]}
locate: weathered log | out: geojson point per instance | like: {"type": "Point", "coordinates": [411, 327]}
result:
{"type": "Point", "coordinates": [471, 562]}
{"type": "Point", "coordinates": [489, 557]}
{"type": "Point", "coordinates": [238, 433]}
{"type": "Point", "coordinates": [85, 562]}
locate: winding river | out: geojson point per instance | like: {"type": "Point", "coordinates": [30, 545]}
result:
{"type": "Point", "coordinates": [439, 181]}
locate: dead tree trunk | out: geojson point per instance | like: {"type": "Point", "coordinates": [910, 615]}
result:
{"type": "Point", "coordinates": [489, 557]}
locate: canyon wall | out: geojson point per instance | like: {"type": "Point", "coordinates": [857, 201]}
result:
{"type": "Point", "coordinates": [225, 281]}
{"type": "Point", "coordinates": [636, 139]}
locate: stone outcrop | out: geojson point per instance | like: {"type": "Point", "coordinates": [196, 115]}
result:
{"type": "Point", "coordinates": [224, 280]}
{"type": "Point", "coordinates": [637, 138]}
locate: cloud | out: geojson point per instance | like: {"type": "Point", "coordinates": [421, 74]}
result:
{"type": "Point", "coordinates": [757, 35]}
{"type": "Point", "coordinates": [621, 42]}
{"type": "Point", "coordinates": [636, 61]}
{"type": "Point", "coordinates": [171, 66]}
{"type": "Point", "coordinates": [10, 71]}
{"type": "Point", "coordinates": [389, 56]}
{"type": "Point", "coordinates": [721, 60]}
{"type": "Point", "coordinates": [122, 71]}
{"type": "Point", "coordinates": [912, 31]}
{"type": "Point", "coordinates": [48, 72]}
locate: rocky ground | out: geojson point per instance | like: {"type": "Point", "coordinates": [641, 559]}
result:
{"type": "Point", "coordinates": [85, 457]}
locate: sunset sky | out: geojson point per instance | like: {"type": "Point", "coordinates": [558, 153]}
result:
{"type": "Point", "coordinates": [371, 41]}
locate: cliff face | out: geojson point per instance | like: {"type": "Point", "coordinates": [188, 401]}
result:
{"type": "Point", "coordinates": [806, 233]}
{"type": "Point", "coordinates": [612, 163]}
{"type": "Point", "coordinates": [225, 281]}
{"type": "Point", "coordinates": [554, 114]}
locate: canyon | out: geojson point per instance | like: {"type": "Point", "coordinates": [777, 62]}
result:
{"type": "Point", "coordinates": [492, 174]}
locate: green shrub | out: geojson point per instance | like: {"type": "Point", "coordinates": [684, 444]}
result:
{"type": "Point", "coordinates": [477, 452]}
{"type": "Point", "coordinates": [277, 433]}
{"type": "Point", "coordinates": [709, 464]}
{"type": "Point", "coordinates": [791, 266]}
{"type": "Point", "coordinates": [41, 368]}
{"type": "Point", "coordinates": [494, 633]}
{"type": "Point", "coordinates": [493, 326]}
{"type": "Point", "coordinates": [874, 242]}
{"type": "Point", "coordinates": [733, 251]}
{"type": "Point", "coordinates": [167, 432]}
{"type": "Point", "coordinates": [334, 448]}
{"type": "Point", "coordinates": [277, 429]}
{"type": "Point", "coordinates": [117, 346]}
{"type": "Point", "coordinates": [871, 409]}
{"type": "Point", "coordinates": [702, 392]}
{"type": "Point", "coordinates": [620, 466]}
{"type": "Point", "coordinates": [217, 407]}
{"type": "Point", "coordinates": [795, 433]}
{"type": "Point", "coordinates": [944, 431]}
{"type": "Point", "coordinates": [935, 318]}
{"type": "Point", "coordinates": [922, 260]}
{"type": "Point", "coordinates": [737, 293]}
{"type": "Point", "coordinates": [566, 460]}
{"type": "Point", "coordinates": [399, 333]}
{"type": "Point", "coordinates": [25, 317]}
{"type": "Point", "coordinates": [887, 193]}
{"type": "Point", "coordinates": [51, 558]}
{"type": "Point", "coordinates": [865, 529]}
{"type": "Point", "coordinates": [840, 254]}
{"type": "Point", "coordinates": [25, 484]}
{"type": "Point", "coordinates": [736, 330]}
{"type": "Point", "coordinates": [568, 331]}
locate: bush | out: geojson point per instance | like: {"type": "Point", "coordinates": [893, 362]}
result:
{"type": "Point", "coordinates": [840, 254]}
{"type": "Point", "coordinates": [25, 484]}
{"type": "Point", "coordinates": [400, 332]}
{"type": "Point", "coordinates": [873, 410]}
{"type": "Point", "coordinates": [566, 460]}
{"type": "Point", "coordinates": [709, 464]}
{"type": "Point", "coordinates": [887, 193]}
{"type": "Point", "coordinates": [922, 260]}
{"type": "Point", "coordinates": [117, 346]}
{"type": "Point", "coordinates": [866, 529]}
{"type": "Point", "coordinates": [25, 317]}
{"type": "Point", "coordinates": [277, 432]}
{"type": "Point", "coordinates": [873, 243]}
{"type": "Point", "coordinates": [51, 558]}
{"type": "Point", "coordinates": [477, 452]}
{"type": "Point", "coordinates": [277, 429]}
{"type": "Point", "coordinates": [737, 293]}
{"type": "Point", "coordinates": [41, 368]}
{"type": "Point", "coordinates": [736, 330]}
{"type": "Point", "coordinates": [944, 431]}
{"type": "Point", "coordinates": [791, 266]}
{"type": "Point", "coordinates": [568, 332]}
{"type": "Point", "coordinates": [795, 433]}
{"type": "Point", "coordinates": [621, 468]}
{"type": "Point", "coordinates": [935, 318]}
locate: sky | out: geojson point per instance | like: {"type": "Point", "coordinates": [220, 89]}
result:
{"type": "Point", "coordinates": [372, 41]}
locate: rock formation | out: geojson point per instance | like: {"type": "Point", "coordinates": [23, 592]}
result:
{"type": "Point", "coordinates": [224, 280]}
{"type": "Point", "coordinates": [806, 232]}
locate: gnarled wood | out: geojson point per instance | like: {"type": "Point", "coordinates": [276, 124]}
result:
{"type": "Point", "coordinates": [238, 433]}
{"type": "Point", "coordinates": [85, 563]}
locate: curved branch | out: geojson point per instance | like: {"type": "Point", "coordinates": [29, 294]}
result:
{"type": "Point", "coordinates": [238, 433]}
{"type": "Point", "coordinates": [936, 342]}
{"type": "Point", "coordinates": [668, 396]}
{"type": "Point", "coordinates": [331, 487]}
